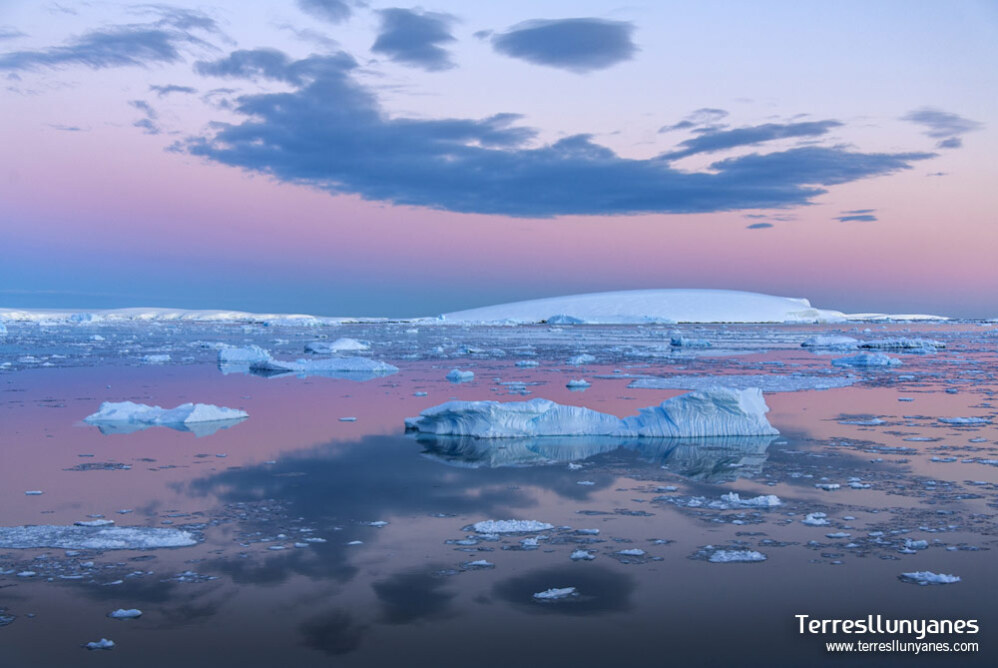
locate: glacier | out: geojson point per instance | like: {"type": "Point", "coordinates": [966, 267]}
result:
{"type": "Point", "coordinates": [713, 412]}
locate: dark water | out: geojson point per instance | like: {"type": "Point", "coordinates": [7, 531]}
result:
{"type": "Point", "coordinates": [406, 594]}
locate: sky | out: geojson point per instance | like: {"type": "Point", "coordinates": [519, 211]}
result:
{"type": "Point", "coordinates": [340, 157]}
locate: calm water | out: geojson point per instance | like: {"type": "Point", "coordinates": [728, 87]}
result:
{"type": "Point", "coordinates": [406, 594]}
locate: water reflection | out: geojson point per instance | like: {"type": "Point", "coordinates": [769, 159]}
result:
{"type": "Point", "coordinates": [718, 459]}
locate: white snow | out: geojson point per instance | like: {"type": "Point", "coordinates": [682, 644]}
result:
{"type": "Point", "coordinates": [929, 578]}
{"type": "Point", "coordinates": [458, 376]}
{"type": "Point", "coordinates": [715, 412]}
{"type": "Point", "coordinates": [867, 360]}
{"type": "Point", "coordinates": [765, 382]}
{"type": "Point", "coordinates": [555, 594]}
{"type": "Point", "coordinates": [510, 526]}
{"type": "Point", "coordinates": [93, 538]}
{"type": "Point", "coordinates": [141, 414]}
{"type": "Point", "coordinates": [733, 556]}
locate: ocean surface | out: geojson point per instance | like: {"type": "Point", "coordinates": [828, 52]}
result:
{"type": "Point", "coordinates": [326, 535]}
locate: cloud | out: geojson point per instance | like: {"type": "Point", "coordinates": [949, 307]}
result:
{"type": "Point", "coordinates": [710, 141]}
{"type": "Point", "coordinates": [705, 116]}
{"type": "Point", "coordinates": [163, 91]}
{"type": "Point", "coordinates": [272, 64]}
{"type": "Point", "coordinates": [334, 11]}
{"type": "Point", "coordinates": [857, 215]}
{"type": "Point", "coordinates": [411, 37]}
{"type": "Point", "coordinates": [64, 128]}
{"type": "Point", "coordinates": [6, 32]}
{"type": "Point", "coordinates": [147, 124]}
{"type": "Point", "coordinates": [140, 44]}
{"type": "Point", "coordinates": [758, 226]}
{"type": "Point", "coordinates": [331, 133]}
{"type": "Point", "coordinates": [942, 125]}
{"type": "Point", "coordinates": [577, 45]}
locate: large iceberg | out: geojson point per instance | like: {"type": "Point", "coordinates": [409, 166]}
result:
{"type": "Point", "coordinates": [94, 538]}
{"type": "Point", "coordinates": [713, 412]}
{"type": "Point", "coordinates": [127, 416]}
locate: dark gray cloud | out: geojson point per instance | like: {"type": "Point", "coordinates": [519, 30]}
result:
{"type": "Point", "coordinates": [331, 133]}
{"type": "Point", "coordinates": [943, 125]}
{"type": "Point", "coordinates": [578, 45]}
{"type": "Point", "coordinates": [412, 37]}
{"type": "Point", "coordinates": [163, 91]}
{"type": "Point", "coordinates": [334, 11]}
{"type": "Point", "coordinates": [709, 141]}
{"type": "Point", "coordinates": [159, 41]}
{"type": "Point", "coordinates": [758, 226]}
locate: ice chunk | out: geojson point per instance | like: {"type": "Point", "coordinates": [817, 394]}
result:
{"type": "Point", "coordinates": [126, 416]}
{"type": "Point", "coordinates": [765, 501]}
{"type": "Point", "coordinates": [122, 613]}
{"type": "Point", "coordinates": [34, 492]}
{"type": "Point", "coordinates": [867, 360]}
{"type": "Point", "coordinates": [902, 343]}
{"type": "Point", "coordinates": [578, 384]}
{"type": "Point", "coordinates": [244, 355]}
{"type": "Point", "coordinates": [337, 346]}
{"type": "Point", "coordinates": [582, 555]}
{"type": "Point", "coordinates": [815, 519]}
{"type": "Point", "coordinates": [928, 578]}
{"type": "Point", "coordinates": [458, 376]}
{"type": "Point", "coordinates": [93, 537]}
{"type": "Point", "coordinates": [833, 342]}
{"type": "Point", "coordinates": [555, 594]}
{"type": "Point", "coordinates": [156, 359]}
{"type": "Point", "coordinates": [732, 556]}
{"type": "Point", "coordinates": [331, 366]}
{"type": "Point", "coordinates": [578, 360]}
{"type": "Point", "coordinates": [510, 526]}
{"type": "Point", "coordinates": [677, 340]}
{"type": "Point", "coordinates": [716, 412]}
{"type": "Point", "coordinates": [94, 523]}
{"type": "Point", "coordinates": [103, 643]}
{"type": "Point", "coordinates": [965, 420]}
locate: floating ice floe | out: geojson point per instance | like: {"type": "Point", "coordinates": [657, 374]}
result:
{"type": "Point", "coordinates": [815, 520]}
{"type": "Point", "coordinates": [765, 382]}
{"type": "Point", "coordinates": [458, 376]}
{"type": "Point", "coordinates": [127, 416]}
{"type": "Point", "coordinates": [103, 643]}
{"type": "Point", "coordinates": [928, 578]}
{"type": "Point", "coordinates": [735, 556]}
{"type": "Point", "coordinates": [334, 367]}
{"type": "Point", "coordinates": [715, 412]}
{"type": "Point", "coordinates": [578, 384]}
{"type": "Point", "coordinates": [901, 343]}
{"type": "Point", "coordinates": [155, 359]}
{"type": "Point", "coordinates": [242, 355]}
{"type": "Point", "coordinates": [579, 360]}
{"type": "Point", "coordinates": [831, 342]}
{"type": "Point", "coordinates": [677, 340]}
{"type": "Point", "coordinates": [338, 346]}
{"type": "Point", "coordinates": [555, 594]}
{"type": "Point", "coordinates": [867, 360]}
{"type": "Point", "coordinates": [965, 420]}
{"type": "Point", "coordinates": [122, 613]}
{"type": "Point", "coordinates": [510, 526]}
{"type": "Point", "coordinates": [582, 555]}
{"type": "Point", "coordinates": [764, 501]}
{"type": "Point", "coordinates": [94, 537]}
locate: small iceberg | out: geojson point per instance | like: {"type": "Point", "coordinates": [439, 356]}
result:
{"type": "Point", "coordinates": [93, 537]}
{"type": "Point", "coordinates": [764, 501]}
{"type": "Point", "coordinates": [901, 343]}
{"type": "Point", "coordinates": [831, 342]}
{"type": "Point", "coordinates": [103, 643]}
{"type": "Point", "coordinates": [735, 556]}
{"type": "Point", "coordinates": [458, 376]}
{"type": "Point", "coordinates": [867, 360]}
{"type": "Point", "coordinates": [510, 526]}
{"type": "Point", "coordinates": [352, 368]}
{"type": "Point", "coordinates": [579, 360]}
{"type": "Point", "coordinates": [122, 613]}
{"type": "Point", "coordinates": [338, 346]}
{"type": "Point", "coordinates": [555, 594]}
{"type": "Point", "coordinates": [928, 578]}
{"type": "Point", "coordinates": [124, 417]}
{"type": "Point", "coordinates": [578, 384]}
{"type": "Point", "coordinates": [965, 420]}
{"type": "Point", "coordinates": [714, 412]}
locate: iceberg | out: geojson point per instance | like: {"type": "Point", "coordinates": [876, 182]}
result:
{"type": "Point", "coordinates": [928, 578]}
{"type": "Point", "coordinates": [458, 376]}
{"type": "Point", "coordinates": [903, 343]}
{"type": "Point", "coordinates": [242, 355]}
{"type": "Point", "coordinates": [714, 412]}
{"type": "Point", "coordinates": [736, 556]}
{"type": "Point", "coordinates": [93, 538]}
{"type": "Point", "coordinates": [765, 501]}
{"type": "Point", "coordinates": [337, 346]}
{"type": "Point", "coordinates": [122, 613]}
{"type": "Point", "coordinates": [965, 420]}
{"type": "Point", "coordinates": [832, 342]}
{"type": "Point", "coordinates": [867, 360]}
{"type": "Point", "coordinates": [355, 368]}
{"type": "Point", "coordinates": [124, 417]}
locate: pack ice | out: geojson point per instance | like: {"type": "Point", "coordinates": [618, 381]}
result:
{"type": "Point", "coordinates": [77, 537]}
{"type": "Point", "coordinates": [713, 412]}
